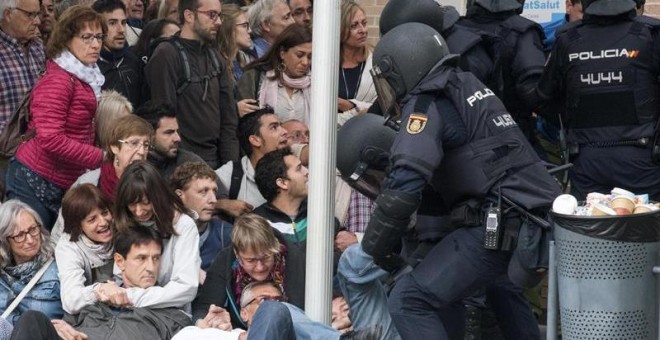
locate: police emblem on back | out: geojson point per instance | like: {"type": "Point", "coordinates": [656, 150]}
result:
{"type": "Point", "coordinates": [416, 123]}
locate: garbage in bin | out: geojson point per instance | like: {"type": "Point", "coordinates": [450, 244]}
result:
{"type": "Point", "coordinates": [604, 265]}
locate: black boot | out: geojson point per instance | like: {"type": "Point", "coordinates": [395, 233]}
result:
{"type": "Point", "coordinates": [472, 323]}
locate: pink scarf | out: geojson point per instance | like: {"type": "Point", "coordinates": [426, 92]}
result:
{"type": "Point", "coordinates": [270, 87]}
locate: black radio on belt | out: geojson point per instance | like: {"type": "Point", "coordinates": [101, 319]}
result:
{"type": "Point", "coordinates": [493, 227]}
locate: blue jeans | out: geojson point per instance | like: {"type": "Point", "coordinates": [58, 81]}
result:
{"type": "Point", "coordinates": [456, 268]}
{"type": "Point", "coordinates": [361, 283]}
{"type": "Point", "coordinates": [283, 321]}
{"type": "Point", "coordinates": [27, 186]}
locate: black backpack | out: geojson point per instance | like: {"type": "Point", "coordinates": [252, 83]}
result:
{"type": "Point", "coordinates": [188, 78]}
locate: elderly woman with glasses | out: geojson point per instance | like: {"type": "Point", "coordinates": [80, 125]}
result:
{"type": "Point", "coordinates": [126, 140]}
{"type": "Point", "coordinates": [258, 253]}
{"type": "Point", "coordinates": [60, 136]}
{"type": "Point", "coordinates": [24, 249]}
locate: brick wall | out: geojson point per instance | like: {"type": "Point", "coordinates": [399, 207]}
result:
{"type": "Point", "coordinates": [652, 8]}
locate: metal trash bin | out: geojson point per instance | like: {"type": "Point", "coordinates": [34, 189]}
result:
{"type": "Point", "coordinates": [606, 285]}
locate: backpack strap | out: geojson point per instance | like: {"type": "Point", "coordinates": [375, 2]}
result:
{"type": "Point", "coordinates": [188, 78]}
{"type": "Point", "coordinates": [185, 63]}
{"type": "Point", "coordinates": [236, 179]}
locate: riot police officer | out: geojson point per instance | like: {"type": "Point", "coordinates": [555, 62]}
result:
{"type": "Point", "coordinates": [457, 136]}
{"type": "Point", "coordinates": [519, 56]}
{"type": "Point", "coordinates": [464, 41]}
{"type": "Point", "coordinates": [604, 69]}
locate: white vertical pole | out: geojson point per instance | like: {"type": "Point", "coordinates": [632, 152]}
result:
{"type": "Point", "coordinates": [323, 122]}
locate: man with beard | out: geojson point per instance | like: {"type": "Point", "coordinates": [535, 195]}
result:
{"type": "Point", "coordinates": [165, 154]}
{"type": "Point", "coordinates": [186, 72]}
{"type": "Point", "coordinates": [47, 18]}
{"type": "Point", "coordinates": [122, 69]}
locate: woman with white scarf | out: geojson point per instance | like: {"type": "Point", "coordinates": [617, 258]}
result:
{"type": "Point", "coordinates": [61, 134]}
{"type": "Point", "coordinates": [84, 252]}
{"type": "Point", "coordinates": [281, 79]}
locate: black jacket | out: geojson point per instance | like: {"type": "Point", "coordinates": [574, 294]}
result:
{"type": "Point", "coordinates": [123, 74]}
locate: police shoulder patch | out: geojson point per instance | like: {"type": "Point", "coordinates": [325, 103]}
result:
{"type": "Point", "coordinates": [416, 123]}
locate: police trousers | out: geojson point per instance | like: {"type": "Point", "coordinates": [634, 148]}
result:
{"type": "Point", "coordinates": [454, 269]}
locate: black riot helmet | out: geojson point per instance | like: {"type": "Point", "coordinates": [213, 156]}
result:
{"type": "Point", "coordinates": [403, 57]}
{"type": "Point", "coordinates": [498, 6]}
{"type": "Point", "coordinates": [397, 12]}
{"type": "Point", "coordinates": [364, 156]}
{"type": "Point", "coordinates": [608, 7]}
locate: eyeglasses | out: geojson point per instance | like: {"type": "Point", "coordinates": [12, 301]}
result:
{"type": "Point", "coordinates": [89, 37]}
{"type": "Point", "coordinates": [252, 261]}
{"type": "Point", "coordinates": [34, 231]}
{"type": "Point", "coordinates": [31, 15]}
{"type": "Point", "coordinates": [261, 298]}
{"type": "Point", "coordinates": [134, 144]}
{"type": "Point", "coordinates": [244, 24]}
{"type": "Point", "coordinates": [213, 15]}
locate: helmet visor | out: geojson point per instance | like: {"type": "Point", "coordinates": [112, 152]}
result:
{"type": "Point", "coordinates": [386, 95]}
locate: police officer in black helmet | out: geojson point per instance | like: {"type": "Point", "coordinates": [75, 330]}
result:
{"type": "Point", "coordinates": [519, 56]}
{"type": "Point", "coordinates": [456, 136]}
{"type": "Point", "coordinates": [464, 41]}
{"type": "Point", "coordinates": [605, 69]}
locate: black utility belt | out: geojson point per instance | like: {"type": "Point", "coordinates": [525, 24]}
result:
{"type": "Point", "coordinates": [644, 142]}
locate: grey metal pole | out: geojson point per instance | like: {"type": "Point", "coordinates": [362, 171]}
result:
{"type": "Point", "coordinates": [551, 321]}
{"type": "Point", "coordinates": [323, 122]}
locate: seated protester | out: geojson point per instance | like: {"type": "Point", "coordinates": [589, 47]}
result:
{"type": "Point", "coordinates": [24, 250]}
{"type": "Point", "coordinates": [196, 184]}
{"type": "Point", "coordinates": [352, 209]}
{"type": "Point", "coordinates": [165, 153]}
{"type": "Point", "coordinates": [363, 285]}
{"type": "Point", "coordinates": [123, 70]}
{"type": "Point", "coordinates": [297, 135]}
{"type": "Point", "coordinates": [84, 252]}
{"type": "Point", "coordinates": [126, 143]}
{"type": "Point", "coordinates": [112, 106]}
{"type": "Point", "coordinates": [138, 256]}
{"type": "Point", "coordinates": [258, 253]}
{"type": "Point", "coordinates": [282, 180]}
{"type": "Point", "coordinates": [267, 318]}
{"type": "Point", "coordinates": [258, 133]}
{"type": "Point", "coordinates": [143, 197]}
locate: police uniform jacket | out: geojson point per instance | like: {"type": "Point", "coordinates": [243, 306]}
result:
{"type": "Point", "coordinates": [457, 135]}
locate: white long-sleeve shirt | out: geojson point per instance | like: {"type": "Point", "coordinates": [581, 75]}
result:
{"type": "Point", "coordinates": [179, 270]}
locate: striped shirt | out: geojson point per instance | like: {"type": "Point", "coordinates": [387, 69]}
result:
{"type": "Point", "coordinates": [18, 73]}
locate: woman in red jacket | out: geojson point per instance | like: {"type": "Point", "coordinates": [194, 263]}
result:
{"type": "Point", "coordinates": [63, 107]}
